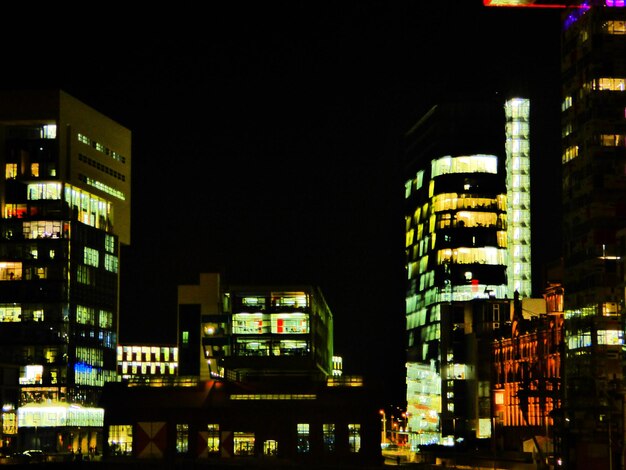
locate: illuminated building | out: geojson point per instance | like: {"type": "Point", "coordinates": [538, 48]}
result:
{"type": "Point", "coordinates": [593, 116]}
{"type": "Point", "coordinates": [527, 374]}
{"type": "Point", "coordinates": [467, 250]}
{"type": "Point", "coordinates": [593, 80]}
{"type": "Point", "coordinates": [248, 332]}
{"type": "Point", "coordinates": [64, 210]}
{"type": "Point", "coordinates": [146, 361]}
{"type": "Point", "coordinates": [257, 379]}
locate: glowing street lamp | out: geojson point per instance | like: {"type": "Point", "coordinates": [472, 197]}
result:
{"type": "Point", "coordinates": [384, 433]}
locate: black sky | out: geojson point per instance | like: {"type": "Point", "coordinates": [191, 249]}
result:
{"type": "Point", "coordinates": [267, 140]}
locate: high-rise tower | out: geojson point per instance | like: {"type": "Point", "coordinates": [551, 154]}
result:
{"type": "Point", "coordinates": [593, 133]}
{"type": "Point", "coordinates": [464, 241]}
{"type": "Point", "coordinates": [65, 209]}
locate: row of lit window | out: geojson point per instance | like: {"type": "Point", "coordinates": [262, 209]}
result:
{"type": "Point", "coordinates": [277, 299]}
{"type": "Point", "coordinates": [11, 170]}
{"type": "Point", "coordinates": [147, 353]}
{"type": "Point", "coordinates": [166, 368]}
{"type": "Point", "coordinates": [101, 148]}
{"type": "Point", "coordinates": [604, 337]}
{"type": "Point", "coordinates": [121, 439]}
{"type": "Point", "coordinates": [258, 323]}
{"type": "Point", "coordinates": [14, 313]}
{"type": "Point", "coordinates": [464, 164]}
{"type": "Point", "coordinates": [105, 188]}
{"type": "Point", "coordinates": [101, 167]}
{"type": "Point", "coordinates": [274, 396]}
{"type": "Point", "coordinates": [91, 257]}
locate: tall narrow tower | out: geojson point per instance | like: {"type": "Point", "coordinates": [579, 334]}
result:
{"type": "Point", "coordinates": [64, 210]}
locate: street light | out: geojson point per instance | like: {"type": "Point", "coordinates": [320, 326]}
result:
{"type": "Point", "coordinates": [384, 433]}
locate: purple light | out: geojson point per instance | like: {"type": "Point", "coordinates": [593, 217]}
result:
{"type": "Point", "coordinates": [615, 3]}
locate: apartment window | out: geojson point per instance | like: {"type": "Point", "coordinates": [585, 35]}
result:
{"type": "Point", "coordinates": [270, 447]}
{"type": "Point", "coordinates": [83, 275]}
{"type": "Point", "coordinates": [354, 437]}
{"type": "Point", "coordinates": [10, 271]}
{"type": "Point", "coordinates": [328, 434]}
{"type": "Point", "coordinates": [613, 140]}
{"type": "Point", "coordinates": [121, 439]}
{"type": "Point", "coordinates": [610, 337]}
{"type": "Point", "coordinates": [110, 263]}
{"type": "Point", "coordinates": [567, 103]}
{"type": "Point", "coordinates": [303, 444]}
{"type": "Point", "coordinates": [182, 438]}
{"type": "Point", "coordinates": [85, 315]}
{"type": "Point", "coordinates": [570, 153]}
{"type": "Point", "coordinates": [615, 27]}
{"type": "Point", "coordinates": [91, 257]}
{"type": "Point", "coordinates": [105, 319]}
{"type": "Point", "coordinates": [213, 438]}
{"type": "Point", "coordinates": [611, 84]}
{"type": "Point", "coordinates": [109, 244]}
{"type": "Point", "coordinates": [185, 337]}
{"type": "Point", "coordinates": [10, 171]}
{"type": "Point", "coordinates": [10, 313]}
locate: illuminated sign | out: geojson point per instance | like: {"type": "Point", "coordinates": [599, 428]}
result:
{"type": "Point", "coordinates": [528, 3]}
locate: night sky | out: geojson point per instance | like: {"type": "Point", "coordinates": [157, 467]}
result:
{"type": "Point", "coordinates": [267, 141]}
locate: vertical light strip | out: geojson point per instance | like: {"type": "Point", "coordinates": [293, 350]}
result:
{"type": "Point", "coordinates": [517, 111]}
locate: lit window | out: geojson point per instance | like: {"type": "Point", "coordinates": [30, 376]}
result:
{"type": "Point", "coordinates": [110, 263]}
{"type": "Point", "coordinates": [615, 27]}
{"type": "Point", "coordinates": [567, 103]}
{"type": "Point", "coordinates": [354, 437]}
{"type": "Point", "coordinates": [10, 171]}
{"type": "Point", "coordinates": [570, 153]}
{"type": "Point", "coordinates": [303, 444]}
{"type": "Point", "coordinates": [91, 257]}
{"type": "Point", "coordinates": [243, 443]}
{"type": "Point", "coordinates": [182, 438]}
{"type": "Point", "coordinates": [213, 438]}
{"type": "Point", "coordinates": [185, 337]}
{"type": "Point", "coordinates": [121, 439]}
{"type": "Point", "coordinates": [610, 337]}
{"type": "Point", "coordinates": [613, 140]}
{"type": "Point", "coordinates": [10, 271]}
{"type": "Point", "coordinates": [10, 313]}
{"type": "Point", "coordinates": [328, 431]}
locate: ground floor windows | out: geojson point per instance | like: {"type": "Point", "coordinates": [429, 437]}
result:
{"type": "Point", "coordinates": [213, 438]}
{"type": "Point", "coordinates": [270, 448]}
{"type": "Point", "coordinates": [328, 431]}
{"type": "Point", "coordinates": [243, 443]}
{"type": "Point", "coordinates": [121, 439]}
{"type": "Point", "coordinates": [303, 439]}
{"type": "Point", "coordinates": [182, 438]}
{"type": "Point", "coordinates": [354, 437]}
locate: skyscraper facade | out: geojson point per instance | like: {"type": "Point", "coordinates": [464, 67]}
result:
{"type": "Point", "coordinates": [594, 209]}
{"type": "Point", "coordinates": [593, 133]}
{"type": "Point", "coordinates": [65, 209]}
{"type": "Point", "coordinates": [467, 218]}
